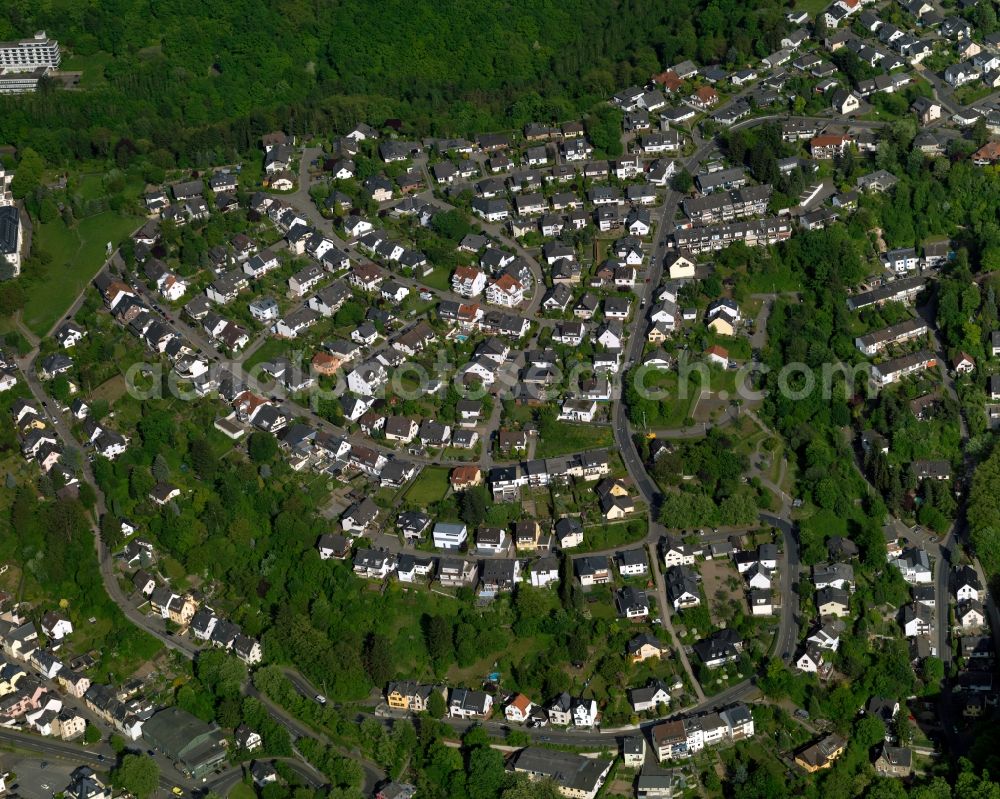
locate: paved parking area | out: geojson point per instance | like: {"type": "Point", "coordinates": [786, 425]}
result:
{"type": "Point", "coordinates": [36, 782]}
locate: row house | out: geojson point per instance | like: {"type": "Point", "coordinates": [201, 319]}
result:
{"type": "Point", "coordinates": [104, 702]}
{"type": "Point", "coordinates": [722, 180]}
{"type": "Point", "coordinates": [901, 333]}
{"type": "Point", "coordinates": [904, 291]}
{"type": "Point", "coordinates": [757, 233]}
{"type": "Point", "coordinates": [681, 738]}
{"type": "Point", "coordinates": [895, 369]}
{"type": "Point", "coordinates": [410, 696]}
{"type": "Point", "coordinates": [567, 710]}
{"type": "Point", "coordinates": [727, 206]}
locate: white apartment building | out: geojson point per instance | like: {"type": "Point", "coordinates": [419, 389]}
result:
{"type": "Point", "coordinates": [39, 52]}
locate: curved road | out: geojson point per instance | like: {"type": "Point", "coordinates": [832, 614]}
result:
{"type": "Point", "coordinates": [623, 439]}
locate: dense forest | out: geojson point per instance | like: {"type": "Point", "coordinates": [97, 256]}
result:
{"type": "Point", "coordinates": [191, 81]}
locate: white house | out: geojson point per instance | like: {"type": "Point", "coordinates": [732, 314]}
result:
{"type": "Point", "coordinates": [966, 584]}
{"type": "Point", "coordinates": [632, 563]}
{"type": "Point", "coordinates": [649, 697]}
{"type": "Point", "coordinates": [810, 661]}
{"type": "Point", "coordinates": [449, 535]}
{"type": "Point", "coordinates": [505, 291]}
{"type": "Point", "coordinates": [676, 553]}
{"type": "Point", "coordinates": [56, 626]}
{"type": "Point", "coordinates": [171, 287]}
{"type": "Point", "coordinates": [518, 710]}
{"type": "Point", "coordinates": [681, 267]}
{"type": "Point", "coordinates": [758, 577]}
{"type": "Point", "coordinates": [468, 704]}
{"type": "Point", "coordinates": [584, 712]}
{"type": "Point", "coordinates": [543, 572]}
{"type": "Point", "coordinates": [914, 565]}
{"type": "Point", "coordinates": [367, 378]}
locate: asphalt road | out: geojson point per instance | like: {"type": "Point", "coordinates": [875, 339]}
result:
{"type": "Point", "coordinates": [788, 627]}
{"type": "Point", "coordinates": [373, 775]}
{"type": "Point", "coordinates": [623, 439]}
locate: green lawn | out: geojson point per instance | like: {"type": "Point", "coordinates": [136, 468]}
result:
{"type": "Point", "coordinates": [811, 7]}
{"type": "Point", "coordinates": [267, 351]}
{"type": "Point", "coordinates": [967, 95]}
{"type": "Point", "coordinates": [601, 537]}
{"type": "Point", "coordinates": [430, 486]}
{"type": "Point", "coordinates": [672, 411]}
{"type": "Point", "coordinates": [77, 253]}
{"type": "Point", "coordinates": [92, 67]}
{"type": "Point", "coordinates": [772, 279]}
{"type": "Point", "coordinates": [242, 791]}
{"type": "Point", "coordinates": [90, 186]}
{"type": "Point", "coordinates": [563, 438]}
{"type": "Point", "coordinates": [439, 279]}
{"type": "Point", "coordinates": [722, 380]}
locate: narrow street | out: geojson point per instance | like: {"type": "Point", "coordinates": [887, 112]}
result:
{"type": "Point", "coordinates": [666, 611]}
{"type": "Point", "coordinates": [622, 430]}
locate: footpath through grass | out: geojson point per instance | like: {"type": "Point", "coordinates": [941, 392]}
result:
{"type": "Point", "coordinates": [77, 253]}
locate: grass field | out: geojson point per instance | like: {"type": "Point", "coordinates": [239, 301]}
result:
{"type": "Point", "coordinates": [597, 538]}
{"type": "Point", "coordinates": [267, 351]}
{"type": "Point", "coordinates": [438, 279]}
{"type": "Point", "coordinates": [92, 67]}
{"type": "Point", "coordinates": [430, 486]}
{"type": "Point", "coordinates": [563, 438]}
{"type": "Point", "coordinates": [110, 390]}
{"type": "Point", "coordinates": [242, 791]}
{"type": "Point", "coordinates": [77, 253]}
{"type": "Point", "coordinates": [91, 186]}
{"type": "Point", "coordinates": [674, 409]}
{"type": "Point", "coordinates": [811, 7]}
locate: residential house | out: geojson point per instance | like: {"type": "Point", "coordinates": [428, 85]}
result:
{"type": "Point", "coordinates": [821, 754]}
{"type": "Point", "coordinates": [449, 535]}
{"type": "Point", "coordinates": [833, 602]}
{"type": "Point", "coordinates": [645, 646]}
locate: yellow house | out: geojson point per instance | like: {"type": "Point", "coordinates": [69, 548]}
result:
{"type": "Point", "coordinates": [10, 676]}
{"type": "Point", "coordinates": [656, 335]}
{"type": "Point", "coordinates": [643, 647]}
{"type": "Point", "coordinates": [722, 326]}
{"type": "Point", "coordinates": [821, 754]}
{"type": "Point", "coordinates": [526, 534]}
{"type": "Point", "coordinates": [397, 699]}
{"type": "Point", "coordinates": [181, 610]}
{"type": "Point", "coordinates": [615, 488]}
{"type": "Point", "coordinates": [410, 696]}
{"type": "Point", "coordinates": [616, 508]}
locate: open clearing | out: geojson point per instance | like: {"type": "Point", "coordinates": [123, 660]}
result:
{"type": "Point", "coordinates": [715, 575]}
{"type": "Point", "coordinates": [77, 253]}
{"type": "Point", "coordinates": [430, 486]}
